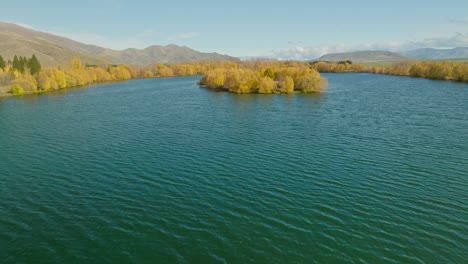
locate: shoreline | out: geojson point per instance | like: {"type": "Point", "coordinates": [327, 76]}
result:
{"type": "Point", "coordinates": [9, 94]}
{"type": "Point", "coordinates": [399, 75]}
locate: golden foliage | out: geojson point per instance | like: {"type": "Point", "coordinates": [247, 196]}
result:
{"type": "Point", "coordinates": [164, 71]}
{"type": "Point", "coordinates": [287, 85]}
{"type": "Point", "coordinates": [263, 77]}
{"type": "Point", "coordinates": [266, 85]}
{"type": "Point", "coordinates": [460, 73]}
{"type": "Point", "coordinates": [120, 73]}
{"type": "Point", "coordinates": [43, 81]}
{"type": "Point", "coordinates": [76, 63]}
{"type": "Point", "coordinates": [78, 75]}
{"type": "Point", "coordinates": [27, 82]}
{"type": "Point", "coordinates": [16, 89]}
{"type": "Point", "coordinates": [236, 77]}
{"type": "Point", "coordinates": [439, 70]}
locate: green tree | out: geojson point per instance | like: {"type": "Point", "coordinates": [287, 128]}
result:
{"type": "Point", "coordinates": [16, 63]}
{"type": "Point", "coordinates": [34, 65]}
{"type": "Point", "coordinates": [22, 63]}
{"type": "Point", "coordinates": [2, 63]}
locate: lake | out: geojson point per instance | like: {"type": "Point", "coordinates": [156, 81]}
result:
{"type": "Point", "coordinates": [374, 170]}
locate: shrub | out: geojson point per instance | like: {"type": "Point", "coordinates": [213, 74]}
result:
{"type": "Point", "coordinates": [17, 90]}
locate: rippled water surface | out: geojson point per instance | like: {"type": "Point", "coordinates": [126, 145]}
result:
{"type": "Point", "coordinates": [375, 170]}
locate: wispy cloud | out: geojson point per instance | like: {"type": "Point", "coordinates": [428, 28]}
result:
{"type": "Point", "coordinates": [458, 39]}
{"type": "Point", "coordinates": [185, 35]}
{"type": "Point", "coordinates": [460, 21]}
{"type": "Point", "coordinates": [296, 42]}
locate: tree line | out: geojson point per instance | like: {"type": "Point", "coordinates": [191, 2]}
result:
{"type": "Point", "coordinates": [21, 64]}
{"type": "Point", "coordinates": [24, 77]}
{"type": "Point", "coordinates": [237, 77]}
{"type": "Point", "coordinates": [437, 70]}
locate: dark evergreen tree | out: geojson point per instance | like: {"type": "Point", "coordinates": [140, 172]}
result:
{"type": "Point", "coordinates": [16, 63]}
{"type": "Point", "coordinates": [2, 63]}
{"type": "Point", "coordinates": [23, 63]}
{"type": "Point", "coordinates": [34, 65]}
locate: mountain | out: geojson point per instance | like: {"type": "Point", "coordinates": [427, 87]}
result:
{"type": "Point", "coordinates": [156, 53]}
{"type": "Point", "coordinates": [363, 56]}
{"type": "Point", "coordinates": [53, 50]}
{"type": "Point", "coordinates": [429, 53]}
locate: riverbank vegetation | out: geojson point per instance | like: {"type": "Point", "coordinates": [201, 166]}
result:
{"type": "Point", "coordinates": [26, 76]}
{"type": "Point", "coordinates": [22, 75]}
{"type": "Point", "coordinates": [437, 70]}
{"type": "Point", "coordinates": [237, 77]}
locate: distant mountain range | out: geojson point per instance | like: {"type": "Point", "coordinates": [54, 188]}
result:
{"type": "Point", "coordinates": [53, 50]}
{"type": "Point", "coordinates": [363, 56]}
{"type": "Point", "coordinates": [387, 56]}
{"type": "Point", "coordinates": [428, 53]}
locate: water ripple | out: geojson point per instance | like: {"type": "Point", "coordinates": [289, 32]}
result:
{"type": "Point", "coordinates": [373, 171]}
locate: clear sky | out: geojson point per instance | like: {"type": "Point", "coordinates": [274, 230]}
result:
{"type": "Point", "coordinates": [286, 29]}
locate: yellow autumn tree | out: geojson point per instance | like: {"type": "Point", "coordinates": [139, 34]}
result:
{"type": "Point", "coordinates": [60, 78]}
{"type": "Point", "coordinates": [76, 63]}
{"type": "Point", "coordinates": [27, 82]}
{"type": "Point", "coordinates": [43, 81]}
{"type": "Point", "coordinates": [214, 79]}
{"type": "Point", "coordinates": [164, 71]}
{"type": "Point", "coordinates": [266, 85]}
{"type": "Point", "coordinates": [309, 83]}
{"type": "Point", "coordinates": [287, 85]}
{"type": "Point", "coordinates": [120, 73]}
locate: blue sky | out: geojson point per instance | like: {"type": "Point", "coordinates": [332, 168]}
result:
{"type": "Point", "coordinates": [284, 29]}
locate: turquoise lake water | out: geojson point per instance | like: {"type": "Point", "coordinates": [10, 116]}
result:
{"type": "Point", "coordinates": [374, 170]}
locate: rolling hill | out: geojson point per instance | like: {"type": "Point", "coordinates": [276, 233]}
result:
{"type": "Point", "coordinates": [53, 50]}
{"type": "Point", "coordinates": [429, 53]}
{"type": "Point", "coordinates": [363, 56]}
{"type": "Point", "coordinates": [163, 54]}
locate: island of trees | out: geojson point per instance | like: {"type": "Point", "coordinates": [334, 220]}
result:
{"type": "Point", "coordinates": [264, 78]}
